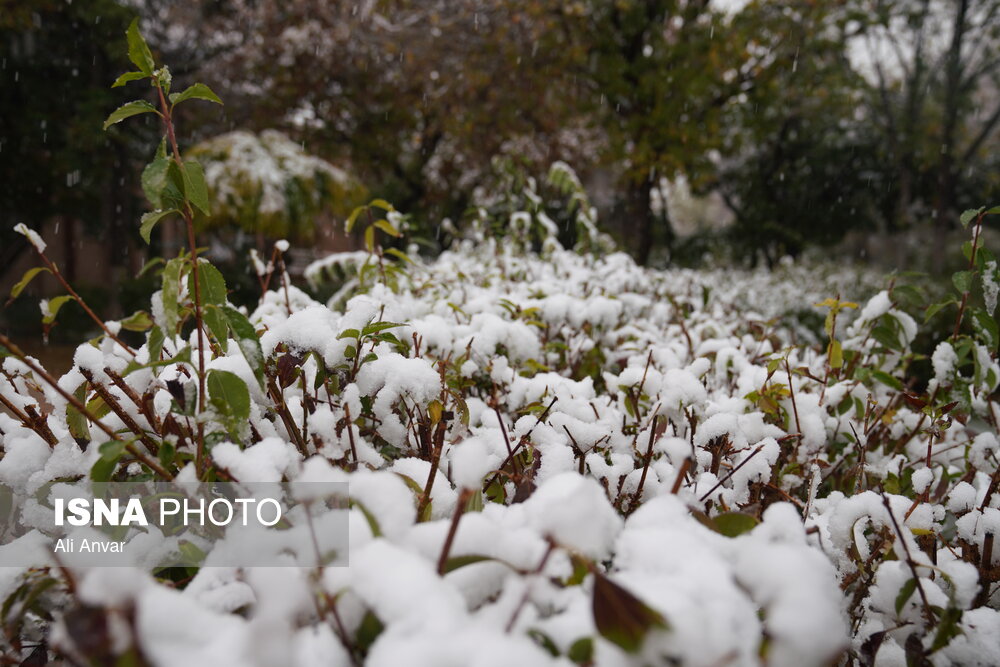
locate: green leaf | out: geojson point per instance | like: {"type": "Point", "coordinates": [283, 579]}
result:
{"type": "Point", "coordinates": [171, 293]}
{"type": "Point", "coordinates": [382, 204]}
{"type": "Point", "coordinates": [217, 323]}
{"type": "Point", "coordinates": [885, 335]}
{"type": "Point", "coordinates": [369, 517]}
{"type": "Point", "coordinates": [172, 195]}
{"type": "Point", "coordinates": [98, 408]}
{"type": "Point", "coordinates": [102, 470]}
{"type": "Point", "coordinates": [935, 308]}
{"type": "Point", "coordinates": [387, 227]}
{"type": "Point", "coordinates": [773, 365]}
{"type": "Point", "coordinates": [962, 280]}
{"type": "Point", "coordinates": [138, 50]}
{"type": "Point", "coordinates": [734, 524]}
{"type": "Point", "coordinates": [229, 394]}
{"type": "Point", "coordinates": [620, 617]}
{"type": "Point", "coordinates": [161, 150]}
{"type": "Point", "coordinates": [211, 284]}
{"type": "Point", "coordinates": [909, 295]}
{"type": "Point", "coordinates": [154, 261]}
{"type": "Point", "coordinates": [456, 562]}
{"type": "Point", "coordinates": [75, 420]}
{"type": "Point", "coordinates": [543, 641]}
{"type": "Point", "coordinates": [112, 450]}
{"type": "Point", "coordinates": [128, 110]}
{"type": "Point", "coordinates": [994, 211]}
{"type": "Point", "coordinates": [129, 76]}
{"type": "Point", "coordinates": [375, 327]}
{"type": "Point", "coordinates": [463, 414]}
{"type": "Point", "coordinates": [28, 276]}
{"type": "Point", "coordinates": [194, 185]}
{"type": "Point", "coordinates": [970, 215]}
{"type": "Point", "coordinates": [581, 651]}
{"type": "Point", "coordinates": [399, 254]}
{"type": "Point", "coordinates": [475, 502]}
{"type": "Point", "coordinates": [904, 594]}
{"type": "Point", "coordinates": [887, 380]}
{"type": "Point", "coordinates": [149, 220]}
{"type": "Point", "coordinates": [213, 294]}
{"type": "Point", "coordinates": [353, 218]}
{"type": "Point", "coordinates": [370, 239]}
{"type": "Point", "coordinates": [349, 333]}
{"type": "Point", "coordinates": [249, 343]}
{"type": "Point", "coordinates": [368, 631]}
{"type": "Point", "coordinates": [155, 344]}
{"type": "Point", "coordinates": [54, 305]}
{"type": "Point", "coordinates": [104, 467]}
{"type": "Point", "coordinates": [948, 628]}
{"type": "Point", "coordinates": [191, 554]}
{"type": "Point", "coordinates": [985, 327]}
{"type": "Point", "coordinates": [983, 257]}
{"type": "Point", "coordinates": [198, 91]}
{"type": "Point", "coordinates": [154, 180]}
{"type": "Point", "coordinates": [166, 454]}
{"type": "Point", "coordinates": [137, 321]}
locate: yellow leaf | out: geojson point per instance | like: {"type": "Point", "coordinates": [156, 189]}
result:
{"type": "Point", "coordinates": [835, 354]}
{"type": "Point", "coordinates": [435, 410]}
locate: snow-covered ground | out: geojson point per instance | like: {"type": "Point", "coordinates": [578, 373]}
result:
{"type": "Point", "coordinates": [686, 485]}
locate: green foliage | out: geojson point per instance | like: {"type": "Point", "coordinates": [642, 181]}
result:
{"type": "Point", "coordinates": [230, 397]}
{"type": "Point", "coordinates": [138, 50]}
{"type": "Point", "coordinates": [197, 91]}
{"type": "Point", "coordinates": [734, 524]}
{"type": "Point", "coordinates": [28, 276]}
{"type": "Point", "coordinates": [128, 110]}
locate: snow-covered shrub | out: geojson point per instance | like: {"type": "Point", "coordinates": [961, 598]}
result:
{"type": "Point", "coordinates": [266, 183]}
{"type": "Point", "coordinates": [553, 459]}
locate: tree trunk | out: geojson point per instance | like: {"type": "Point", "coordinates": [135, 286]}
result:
{"type": "Point", "coordinates": [639, 220]}
{"type": "Point", "coordinates": [946, 182]}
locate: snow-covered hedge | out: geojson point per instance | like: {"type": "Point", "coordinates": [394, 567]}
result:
{"type": "Point", "coordinates": [552, 460]}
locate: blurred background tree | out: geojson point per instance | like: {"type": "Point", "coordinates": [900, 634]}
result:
{"type": "Point", "coordinates": [933, 97]}
{"type": "Point", "coordinates": [55, 162]}
{"type": "Point", "coordinates": [799, 166]}
{"type": "Point", "coordinates": [656, 79]}
{"type": "Point", "coordinates": [804, 122]}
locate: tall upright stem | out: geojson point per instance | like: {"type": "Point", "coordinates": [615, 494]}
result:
{"type": "Point", "coordinates": [189, 222]}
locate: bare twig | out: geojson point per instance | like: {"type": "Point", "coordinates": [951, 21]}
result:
{"type": "Point", "coordinates": [645, 465]}
{"type": "Point", "coordinates": [72, 400]}
{"type": "Point", "coordinates": [731, 473]}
